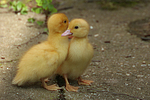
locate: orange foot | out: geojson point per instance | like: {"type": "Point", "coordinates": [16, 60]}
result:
{"type": "Point", "coordinates": [84, 82]}
{"type": "Point", "coordinates": [71, 88]}
{"type": "Point", "coordinates": [51, 87]}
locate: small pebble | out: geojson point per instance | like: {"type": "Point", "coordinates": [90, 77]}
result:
{"type": "Point", "coordinates": [143, 65]}
{"type": "Point", "coordinates": [103, 49]}
{"type": "Point", "coordinates": [121, 63]}
{"type": "Point", "coordinates": [126, 84]}
{"type": "Point", "coordinates": [140, 75]}
{"type": "Point", "coordinates": [106, 41]}
{"type": "Point", "coordinates": [96, 63]}
{"type": "Point", "coordinates": [18, 14]}
{"type": "Point", "coordinates": [127, 74]}
{"type": "Point", "coordinates": [139, 88]}
{"type": "Point", "coordinates": [2, 57]}
{"type": "Point", "coordinates": [91, 27]}
{"type": "Point", "coordinates": [96, 35]}
{"type": "Point", "coordinates": [87, 76]}
{"type": "Point", "coordinates": [94, 94]}
{"type": "Point", "coordinates": [143, 62]}
{"type": "Point", "coordinates": [133, 66]}
{"type": "Point", "coordinates": [97, 21]}
{"type": "Point", "coordinates": [19, 18]}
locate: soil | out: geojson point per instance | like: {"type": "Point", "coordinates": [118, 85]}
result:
{"type": "Point", "coordinates": [120, 67]}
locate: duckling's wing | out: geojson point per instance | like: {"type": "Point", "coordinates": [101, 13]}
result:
{"type": "Point", "coordinates": [52, 60]}
{"type": "Point", "coordinates": [35, 65]}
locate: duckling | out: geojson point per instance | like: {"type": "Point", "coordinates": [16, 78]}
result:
{"type": "Point", "coordinates": [42, 60]}
{"type": "Point", "coordinates": [80, 53]}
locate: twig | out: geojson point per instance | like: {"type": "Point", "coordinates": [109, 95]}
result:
{"type": "Point", "coordinates": [96, 61]}
{"type": "Point", "coordinates": [89, 35]}
{"type": "Point", "coordinates": [8, 60]}
{"type": "Point", "coordinates": [65, 8]}
{"type": "Point", "coordinates": [29, 40]}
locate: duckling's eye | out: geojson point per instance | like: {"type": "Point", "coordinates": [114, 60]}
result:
{"type": "Point", "coordinates": [76, 27]}
{"type": "Point", "coordinates": [65, 21]}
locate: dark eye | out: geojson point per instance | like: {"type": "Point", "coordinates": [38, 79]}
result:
{"type": "Point", "coordinates": [76, 27]}
{"type": "Point", "coordinates": [65, 21]}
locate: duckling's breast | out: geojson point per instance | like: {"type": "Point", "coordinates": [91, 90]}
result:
{"type": "Point", "coordinates": [80, 55]}
{"type": "Point", "coordinates": [62, 50]}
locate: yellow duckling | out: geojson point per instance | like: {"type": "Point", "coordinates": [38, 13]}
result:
{"type": "Point", "coordinates": [42, 60]}
{"type": "Point", "coordinates": [79, 55]}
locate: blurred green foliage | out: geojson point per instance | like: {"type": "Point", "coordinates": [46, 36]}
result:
{"type": "Point", "coordinates": [38, 6]}
{"type": "Point", "coordinates": [18, 6]}
{"type": "Point", "coordinates": [45, 7]}
{"type": "Point", "coordinates": [42, 6]}
{"type": "Point", "coordinates": [31, 20]}
{"type": "Point", "coordinates": [3, 3]}
{"type": "Point", "coordinates": [40, 22]}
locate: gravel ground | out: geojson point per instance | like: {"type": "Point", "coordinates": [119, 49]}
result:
{"type": "Point", "coordinates": [120, 67]}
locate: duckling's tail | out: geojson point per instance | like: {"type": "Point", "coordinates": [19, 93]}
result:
{"type": "Point", "coordinates": [19, 79]}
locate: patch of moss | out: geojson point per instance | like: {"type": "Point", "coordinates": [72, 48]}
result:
{"type": "Point", "coordinates": [116, 4]}
{"type": "Point", "coordinates": [140, 28]}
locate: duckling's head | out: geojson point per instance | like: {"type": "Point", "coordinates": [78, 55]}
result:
{"type": "Point", "coordinates": [77, 28]}
{"type": "Point", "coordinates": [57, 23]}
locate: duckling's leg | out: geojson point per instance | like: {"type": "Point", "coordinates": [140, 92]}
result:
{"type": "Point", "coordinates": [68, 86]}
{"type": "Point", "coordinates": [51, 87]}
{"type": "Point", "coordinates": [70, 37]}
{"type": "Point", "coordinates": [84, 82]}
{"type": "Point", "coordinates": [46, 80]}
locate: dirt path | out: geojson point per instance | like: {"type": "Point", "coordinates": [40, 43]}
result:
{"type": "Point", "coordinates": [120, 67]}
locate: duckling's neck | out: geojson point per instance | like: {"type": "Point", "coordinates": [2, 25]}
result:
{"type": "Point", "coordinates": [56, 39]}
{"type": "Point", "coordinates": [81, 38]}
{"type": "Point", "coordinates": [60, 44]}
{"type": "Point", "coordinates": [53, 36]}
{"type": "Point", "coordinates": [79, 41]}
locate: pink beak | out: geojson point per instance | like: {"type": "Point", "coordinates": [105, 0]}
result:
{"type": "Point", "coordinates": [66, 33]}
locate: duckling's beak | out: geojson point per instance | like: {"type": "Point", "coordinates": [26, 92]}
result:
{"type": "Point", "coordinates": [67, 33]}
